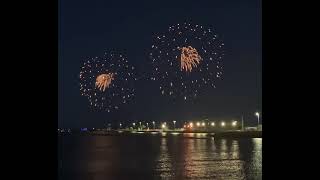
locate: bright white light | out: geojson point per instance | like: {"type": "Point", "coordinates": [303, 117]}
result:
{"type": "Point", "coordinates": [212, 124]}
{"type": "Point", "coordinates": [191, 125]}
{"type": "Point", "coordinates": [198, 124]}
{"type": "Point", "coordinates": [163, 126]}
{"type": "Point", "coordinates": [223, 123]}
{"type": "Point", "coordinates": [257, 114]}
{"type": "Point", "coordinates": [203, 124]}
{"type": "Point", "coordinates": [234, 123]}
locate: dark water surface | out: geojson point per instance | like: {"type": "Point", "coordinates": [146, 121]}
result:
{"type": "Point", "coordinates": [138, 157]}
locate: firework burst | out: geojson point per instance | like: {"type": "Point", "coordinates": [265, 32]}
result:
{"type": "Point", "coordinates": [186, 59]}
{"type": "Point", "coordinates": [107, 81]}
{"type": "Point", "coordinates": [103, 81]}
{"type": "Point", "coordinates": [189, 58]}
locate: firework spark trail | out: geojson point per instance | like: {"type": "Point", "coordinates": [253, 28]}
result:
{"type": "Point", "coordinates": [103, 81]}
{"type": "Point", "coordinates": [189, 58]}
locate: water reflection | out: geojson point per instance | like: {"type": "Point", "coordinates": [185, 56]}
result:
{"type": "Point", "coordinates": [195, 135]}
{"type": "Point", "coordinates": [207, 159]}
{"type": "Point", "coordinates": [254, 167]}
{"type": "Point", "coordinates": [210, 159]}
{"type": "Point", "coordinates": [164, 165]}
{"type": "Point", "coordinates": [160, 157]}
{"type": "Point", "coordinates": [235, 149]}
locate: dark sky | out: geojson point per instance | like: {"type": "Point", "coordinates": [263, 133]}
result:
{"type": "Point", "coordinates": [88, 28]}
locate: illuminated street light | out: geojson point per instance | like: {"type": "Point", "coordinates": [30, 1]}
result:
{"type": "Point", "coordinates": [147, 125]}
{"type": "Point", "coordinates": [234, 123]}
{"type": "Point", "coordinates": [257, 114]}
{"type": "Point", "coordinates": [174, 124]}
{"type": "Point", "coordinates": [223, 124]}
{"type": "Point", "coordinates": [163, 125]}
{"type": "Point", "coordinates": [198, 124]}
{"type": "Point", "coordinates": [120, 125]}
{"type": "Point", "coordinates": [212, 124]}
{"type": "Point", "coordinates": [153, 124]}
{"type": "Point", "coordinates": [191, 124]}
{"type": "Point", "coordinates": [203, 124]}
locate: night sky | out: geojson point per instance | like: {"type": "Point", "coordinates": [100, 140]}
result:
{"type": "Point", "coordinates": [88, 28]}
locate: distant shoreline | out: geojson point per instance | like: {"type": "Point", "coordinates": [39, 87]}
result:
{"type": "Point", "coordinates": [241, 134]}
{"type": "Point", "coordinates": [203, 134]}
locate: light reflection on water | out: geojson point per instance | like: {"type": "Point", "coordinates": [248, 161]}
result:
{"type": "Point", "coordinates": [202, 160]}
{"type": "Point", "coordinates": [164, 164]}
{"type": "Point", "coordinates": [160, 157]}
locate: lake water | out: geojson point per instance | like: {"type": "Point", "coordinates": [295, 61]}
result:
{"type": "Point", "coordinates": [158, 156]}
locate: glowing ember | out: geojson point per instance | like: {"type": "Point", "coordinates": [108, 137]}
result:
{"type": "Point", "coordinates": [103, 81]}
{"type": "Point", "coordinates": [189, 58]}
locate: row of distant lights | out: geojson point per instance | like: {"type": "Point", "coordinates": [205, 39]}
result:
{"type": "Point", "coordinates": [234, 123]}
{"type": "Point", "coordinates": [148, 123]}
{"type": "Point", "coordinates": [198, 124]}
{"type": "Point", "coordinates": [164, 125]}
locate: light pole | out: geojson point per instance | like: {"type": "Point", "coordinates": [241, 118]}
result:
{"type": "Point", "coordinates": [153, 124]}
{"type": "Point", "coordinates": [242, 124]}
{"type": "Point", "coordinates": [134, 124]}
{"type": "Point", "coordinates": [120, 125]}
{"type": "Point", "coordinates": [147, 125]}
{"type": "Point", "coordinates": [140, 125]}
{"type": "Point", "coordinates": [174, 125]}
{"type": "Point", "coordinates": [257, 114]}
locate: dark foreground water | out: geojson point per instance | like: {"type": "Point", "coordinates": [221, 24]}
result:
{"type": "Point", "coordinates": [138, 157]}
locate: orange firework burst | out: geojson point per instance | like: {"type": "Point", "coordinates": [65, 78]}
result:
{"type": "Point", "coordinates": [103, 81]}
{"type": "Point", "coordinates": [189, 58]}
{"type": "Point", "coordinates": [186, 59]}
